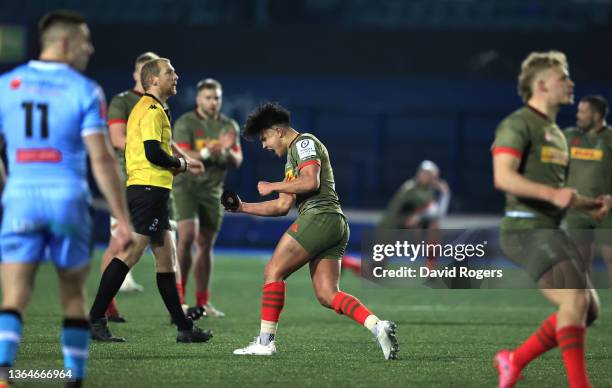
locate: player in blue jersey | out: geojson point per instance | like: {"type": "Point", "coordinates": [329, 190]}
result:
{"type": "Point", "coordinates": [51, 116]}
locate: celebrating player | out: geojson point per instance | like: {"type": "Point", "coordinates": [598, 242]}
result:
{"type": "Point", "coordinates": [206, 134]}
{"type": "Point", "coordinates": [51, 116]}
{"type": "Point", "coordinates": [318, 236]}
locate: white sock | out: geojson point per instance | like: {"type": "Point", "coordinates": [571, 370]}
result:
{"type": "Point", "coordinates": [370, 324]}
{"type": "Point", "coordinates": [267, 332]}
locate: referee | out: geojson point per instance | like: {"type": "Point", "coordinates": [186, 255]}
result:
{"type": "Point", "coordinates": [150, 169]}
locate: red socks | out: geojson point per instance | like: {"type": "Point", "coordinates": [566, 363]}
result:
{"type": "Point", "coordinates": [570, 340]}
{"type": "Point", "coordinates": [272, 301]}
{"type": "Point", "coordinates": [180, 287]}
{"type": "Point", "coordinates": [571, 344]}
{"type": "Point", "coordinates": [201, 298]}
{"type": "Point", "coordinates": [542, 341]}
{"type": "Point", "coordinates": [350, 306]}
{"type": "Point", "coordinates": [111, 310]}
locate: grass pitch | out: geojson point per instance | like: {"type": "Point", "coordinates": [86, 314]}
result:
{"type": "Point", "coordinates": [447, 338]}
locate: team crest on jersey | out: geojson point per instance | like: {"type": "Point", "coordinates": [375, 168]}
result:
{"type": "Point", "coordinates": [199, 133]}
{"type": "Point", "coordinates": [289, 176]}
{"type": "Point", "coordinates": [153, 106]}
{"type": "Point", "coordinates": [576, 141]}
{"type": "Point", "coordinates": [15, 83]}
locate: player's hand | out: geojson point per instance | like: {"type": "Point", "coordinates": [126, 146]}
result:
{"type": "Point", "coordinates": [215, 148]}
{"type": "Point", "coordinates": [231, 201]}
{"type": "Point", "coordinates": [228, 139]}
{"type": "Point", "coordinates": [123, 234]}
{"type": "Point", "coordinates": [264, 188]}
{"type": "Point", "coordinates": [600, 212]}
{"type": "Point", "coordinates": [563, 197]}
{"type": "Point", "coordinates": [194, 166]}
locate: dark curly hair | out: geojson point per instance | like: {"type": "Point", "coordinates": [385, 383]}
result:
{"type": "Point", "coordinates": [266, 116]}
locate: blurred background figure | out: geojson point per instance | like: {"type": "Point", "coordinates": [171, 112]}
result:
{"type": "Point", "coordinates": [420, 203]}
{"type": "Point", "coordinates": [590, 172]}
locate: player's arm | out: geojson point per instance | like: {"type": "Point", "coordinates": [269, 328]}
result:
{"type": "Point", "coordinates": [2, 168]}
{"type": "Point", "coordinates": [184, 150]}
{"type": "Point", "coordinates": [232, 152]}
{"type": "Point", "coordinates": [117, 131]}
{"type": "Point", "coordinates": [274, 208]}
{"type": "Point", "coordinates": [157, 156]}
{"type": "Point", "coordinates": [151, 126]}
{"type": "Point", "coordinates": [182, 142]}
{"type": "Point", "coordinates": [106, 173]}
{"type": "Point", "coordinates": [193, 161]}
{"type": "Point", "coordinates": [118, 113]}
{"type": "Point", "coordinates": [2, 176]}
{"type": "Point", "coordinates": [308, 181]}
{"type": "Point", "coordinates": [507, 178]}
{"type": "Point", "coordinates": [512, 138]}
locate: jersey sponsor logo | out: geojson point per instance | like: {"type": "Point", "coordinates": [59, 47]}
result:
{"type": "Point", "coordinates": [587, 154]}
{"type": "Point", "coordinates": [15, 83]}
{"type": "Point", "coordinates": [201, 143]}
{"type": "Point", "coordinates": [553, 155]}
{"type": "Point", "coordinates": [38, 155]}
{"type": "Point", "coordinates": [152, 106]}
{"type": "Point", "coordinates": [306, 148]}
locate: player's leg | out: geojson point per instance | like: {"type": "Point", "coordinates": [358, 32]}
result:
{"type": "Point", "coordinates": [17, 282]}
{"type": "Point", "coordinates": [75, 328]}
{"type": "Point", "coordinates": [21, 252]}
{"type": "Point", "coordinates": [111, 281]}
{"type": "Point", "coordinates": [210, 216]}
{"type": "Point", "coordinates": [129, 284]}
{"type": "Point", "coordinates": [183, 207]}
{"type": "Point", "coordinates": [112, 312]}
{"type": "Point", "coordinates": [69, 247]}
{"type": "Point", "coordinates": [325, 274]}
{"type": "Point", "coordinates": [186, 236]}
{"type": "Point", "coordinates": [288, 257]}
{"type": "Point", "coordinates": [570, 332]}
{"type": "Point", "coordinates": [565, 285]}
{"type": "Point", "coordinates": [203, 268]}
{"type": "Point", "coordinates": [165, 256]}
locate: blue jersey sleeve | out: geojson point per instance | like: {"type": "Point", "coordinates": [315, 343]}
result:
{"type": "Point", "coordinates": [94, 110]}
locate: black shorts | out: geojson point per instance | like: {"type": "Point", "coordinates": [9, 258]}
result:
{"type": "Point", "coordinates": [149, 210]}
